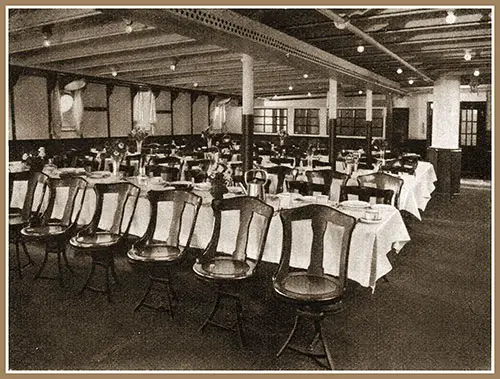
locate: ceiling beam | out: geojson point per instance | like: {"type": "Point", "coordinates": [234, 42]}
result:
{"type": "Point", "coordinates": [108, 45]}
{"type": "Point", "coordinates": [237, 33]}
{"type": "Point", "coordinates": [24, 19]}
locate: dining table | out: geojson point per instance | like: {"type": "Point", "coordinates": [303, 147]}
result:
{"type": "Point", "coordinates": [370, 243]}
{"type": "Point", "coordinates": [415, 192]}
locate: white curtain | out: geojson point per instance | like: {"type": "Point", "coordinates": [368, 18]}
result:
{"type": "Point", "coordinates": [145, 110]}
{"type": "Point", "coordinates": [55, 102]}
{"type": "Point", "coordinates": [77, 109]}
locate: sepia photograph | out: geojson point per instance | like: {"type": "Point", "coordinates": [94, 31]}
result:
{"type": "Point", "coordinates": [249, 189]}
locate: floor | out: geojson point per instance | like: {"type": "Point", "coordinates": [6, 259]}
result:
{"type": "Point", "coordinates": [433, 313]}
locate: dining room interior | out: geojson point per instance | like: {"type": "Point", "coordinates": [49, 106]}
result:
{"type": "Point", "coordinates": [249, 189]}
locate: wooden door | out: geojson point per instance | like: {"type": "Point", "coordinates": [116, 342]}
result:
{"type": "Point", "coordinates": [400, 117]}
{"type": "Point", "coordinates": [473, 139]}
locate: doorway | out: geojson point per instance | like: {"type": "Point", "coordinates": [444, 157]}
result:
{"type": "Point", "coordinates": [401, 118]}
{"type": "Point", "coordinates": [474, 141]}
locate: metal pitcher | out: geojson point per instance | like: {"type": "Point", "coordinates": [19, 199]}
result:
{"type": "Point", "coordinates": [255, 187]}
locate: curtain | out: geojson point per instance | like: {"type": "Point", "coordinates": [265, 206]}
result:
{"type": "Point", "coordinates": [55, 102]}
{"type": "Point", "coordinates": [77, 109]}
{"type": "Point", "coordinates": [145, 110]}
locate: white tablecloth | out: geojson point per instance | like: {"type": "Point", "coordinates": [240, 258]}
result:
{"type": "Point", "coordinates": [416, 190]}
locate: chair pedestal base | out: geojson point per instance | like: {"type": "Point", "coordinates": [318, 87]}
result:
{"type": "Point", "coordinates": [107, 262]}
{"type": "Point", "coordinates": [169, 296]}
{"type": "Point", "coordinates": [316, 318]}
{"type": "Point", "coordinates": [237, 325]}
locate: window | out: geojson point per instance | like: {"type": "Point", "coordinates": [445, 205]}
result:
{"type": "Point", "coordinates": [352, 122]}
{"type": "Point", "coordinates": [270, 120]}
{"type": "Point", "coordinates": [306, 121]}
{"type": "Point", "coordinates": [468, 127]}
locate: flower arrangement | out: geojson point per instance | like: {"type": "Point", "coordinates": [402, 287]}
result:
{"type": "Point", "coordinates": [311, 150]}
{"type": "Point", "coordinates": [139, 134]}
{"type": "Point", "coordinates": [283, 135]}
{"type": "Point", "coordinates": [35, 160]}
{"type": "Point", "coordinates": [219, 183]}
{"type": "Point", "coordinates": [207, 134]}
{"type": "Point", "coordinates": [116, 150]}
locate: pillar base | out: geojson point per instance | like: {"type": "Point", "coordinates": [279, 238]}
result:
{"type": "Point", "coordinates": [447, 164]}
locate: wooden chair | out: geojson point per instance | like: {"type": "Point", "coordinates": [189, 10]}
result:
{"type": "Point", "coordinates": [167, 161]}
{"type": "Point", "coordinates": [327, 182]}
{"type": "Point", "coordinates": [401, 165]}
{"type": "Point", "coordinates": [228, 272]}
{"type": "Point", "coordinates": [313, 292]}
{"type": "Point", "coordinates": [280, 172]}
{"type": "Point", "coordinates": [169, 174]}
{"type": "Point", "coordinates": [383, 180]}
{"type": "Point", "coordinates": [159, 254]}
{"type": "Point", "coordinates": [382, 196]}
{"type": "Point", "coordinates": [21, 215]}
{"type": "Point", "coordinates": [107, 231]}
{"type": "Point", "coordinates": [59, 221]}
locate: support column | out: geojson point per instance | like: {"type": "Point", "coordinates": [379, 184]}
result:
{"type": "Point", "coordinates": [369, 121]}
{"type": "Point", "coordinates": [389, 123]}
{"type": "Point", "coordinates": [247, 122]}
{"type": "Point", "coordinates": [444, 152]}
{"type": "Point", "coordinates": [331, 101]}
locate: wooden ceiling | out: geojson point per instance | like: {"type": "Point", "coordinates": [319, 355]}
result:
{"type": "Point", "coordinates": [206, 46]}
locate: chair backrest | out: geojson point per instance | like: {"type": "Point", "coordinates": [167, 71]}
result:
{"type": "Point", "coordinates": [27, 182]}
{"type": "Point", "coordinates": [112, 202]}
{"type": "Point", "coordinates": [65, 200]}
{"type": "Point", "coordinates": [320, 181]}
{"type": "Point", "coordinates": [320, 216]}
{"type": "Point", "coordinates": [169, 161]}
{"type": "Point", "coordinates": [248, 208]}
{"type": "Point", "coordinates": [283, 160]}
{"type": "Point", "coordinates": [183, 202]}
{"type": "Point", "coordinates": [280, 172]}
{"type": "Point", "coordinates": [382, 196]}
{"type": "Point", "coordinates": [383, 180]}
{"type": "Point", "coordinates": [169, 174]}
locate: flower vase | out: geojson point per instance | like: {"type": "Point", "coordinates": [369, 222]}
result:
{"type": "Point", "coordinates": [138, 144]}
{"type": "Point", "coordinates": [309, 161]}
{"type": "Point", "coordinates": [116, 168]}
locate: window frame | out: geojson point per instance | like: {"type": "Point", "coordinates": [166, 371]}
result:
{"type": "Point", "coordinates": [307, 125]}
{"type": "Point", "coordinates": [278, 118]}
{"type": "Point", "coordinates": [357, 119]}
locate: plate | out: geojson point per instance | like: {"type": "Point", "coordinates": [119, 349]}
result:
{"type": "Point", "coordinates": [366, 221]}
{"type": "Point", "coordinates": [99, 174]}
{"type": "Point", "coordinates": [235, 189]}
{"type": "Point", "coordinates": [354, 204]}
{"type": "Point", "coordinates": [202, 186]}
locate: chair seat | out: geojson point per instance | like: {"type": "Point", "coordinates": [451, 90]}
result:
{"type": "Point", "coordinates": [47, 231]}
{"type": "Point", "coordinates": [155, 253]}
{"type": "Point", "coordinates": [300, 286]}
{"type": "Point", "coordinates": [225, 268]}
{"type": "Point", "coordinates": [99, 240]}
{"type": "Point", "coordinates": [16, 219]}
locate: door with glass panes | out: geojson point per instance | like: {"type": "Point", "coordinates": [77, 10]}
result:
{"type": "Point", "coordinates": [473, 139]}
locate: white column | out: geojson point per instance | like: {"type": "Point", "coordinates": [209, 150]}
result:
{"type": "Point", "coordinates": [332, 99]}
{"type": "Point", "coordinates": [248, 92]}
{"type": "Point", "coordinates": [369, 105]}
{"type": "Point", "coordinates": [446, 113]}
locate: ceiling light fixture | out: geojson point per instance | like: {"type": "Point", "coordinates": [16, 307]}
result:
{"type": "Point", "coordinates": [451, 18]}
{"type": "Point", "coordinates": [411, 81]}
{"type": "Point", "coordinates": [275, 96]}
{"type": "Point", "coordinates": [290, 88]}
{"type": "Point", "coordinates": [360, 48]}
{"type": "Point", "coordinates": [360, 92]}
{"type": "Point", "coordinates": [128, 26]}
{"type": "Point", "coordinates": [468, 54]}
{"type": "Point", "coordinates": [305, 76]}
{"type": "Point", "coordinates": [173, 65]}
{"type": "Point", "coordinates": [47, 35]}
{"type": "Point", "coordinates": [309, 94]}
{"type": "Point", "coordinates": [399, 70]}
{"type": "Point", "coordinates": [476, 72]}
{"type": "Point", "coordinates": [195, 84]}
{"type": "Point", "coordinates": [340, 24]}
{"type": "Point", "coordinates": [113, 71]}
